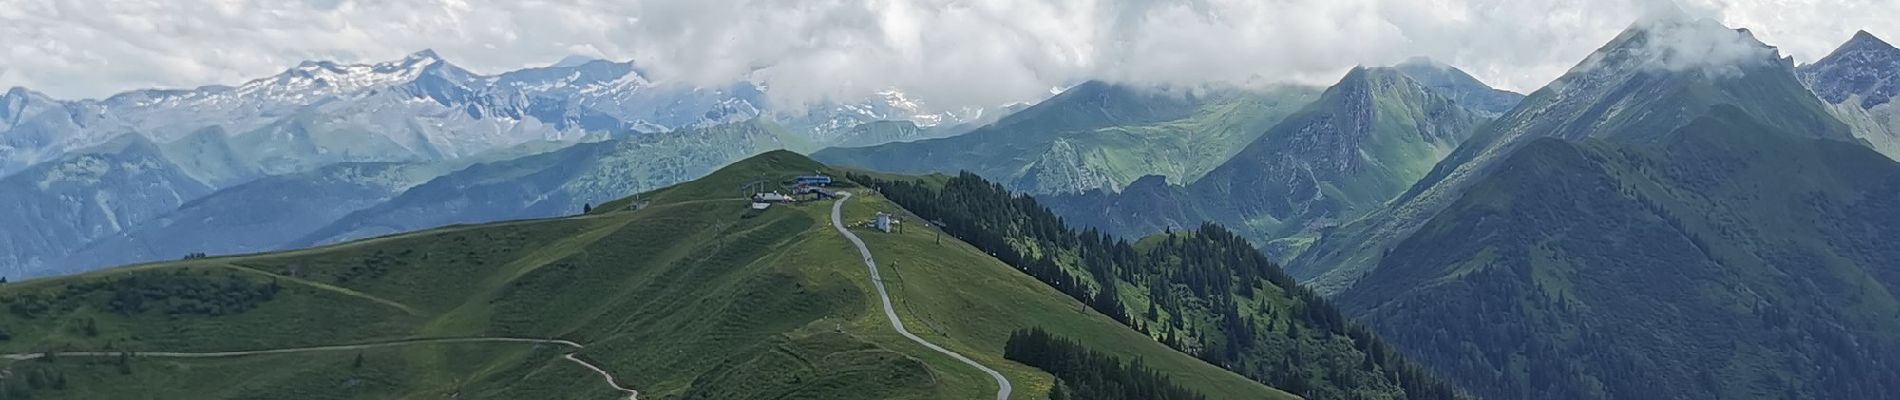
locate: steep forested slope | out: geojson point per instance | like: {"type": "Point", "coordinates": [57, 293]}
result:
{"type": "Point", "coordinates": [1730, 261]}
{"type": "Point", "coordinates": [1206, 292]}
{"type": "Point", "coordinates": [1648, 226]}
{"type": "Point", "coordinates": [1626, 92]}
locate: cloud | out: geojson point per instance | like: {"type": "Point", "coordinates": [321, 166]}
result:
{"type": "Point", "coordinates": [1682, 42]}
{"type": "Point", "coordinates": [946, 52]}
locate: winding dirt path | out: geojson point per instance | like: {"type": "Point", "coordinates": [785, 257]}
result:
{"type": "Point", "coordinates": [631, 394]}
{"type": "Point", "coordinates": [837, 222]}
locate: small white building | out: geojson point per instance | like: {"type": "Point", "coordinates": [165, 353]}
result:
{"type": "Point", "coordinates": [760, 205]}
{"type": "Point", "coordinates": [771, 197]}
{"type": "Point", "coordinates": [883, 222]}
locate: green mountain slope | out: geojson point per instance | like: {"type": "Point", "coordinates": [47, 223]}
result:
{"type": "Point", "coordinates": [1363, 142]}
{"type": "Point", "coordinates": [1095, 136]}
{"type": "Point", "coordinates": [1626, 93]}
{"type": "Point", "coordinates": [691, 296]}
{"type": "Point", "coordinates": [1731, 260]}
{"type": "Point", "coordinates": [1874, 125]}
{"type": "Point", "coordinates": [1646, 227]}
{"type": "Point", "coordinates": [1366, 140]}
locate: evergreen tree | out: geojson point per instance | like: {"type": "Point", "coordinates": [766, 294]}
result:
{"type": "Point", "coordinates": [1208, 283]}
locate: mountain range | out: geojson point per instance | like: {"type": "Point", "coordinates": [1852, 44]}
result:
{"type": "Point", "coordinates": [1361, 143]}
{"type": "Point", "coordinates": [1586, 246]}
{"type": "Point", "coordinates": [1646, 226]}
{"type": "Point", "coordinates": [350, 137]}
{"type": "Point", "coordinates": [420, 107]}
{"type": "Point", "coordinates": [1096, 135]}
{"type": "Point", "coordinates": [1684, 214]}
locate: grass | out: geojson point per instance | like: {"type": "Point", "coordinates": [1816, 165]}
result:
{"type": "Point", "coordinates": [689, 297]}
{"type": "Point", "coordinates": [419, 371]}
{"type": "Point", "coordinates": [992, 300]}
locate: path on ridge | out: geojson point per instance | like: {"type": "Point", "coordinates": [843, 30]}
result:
{"type": "Point", "coordinates": [837, 221]}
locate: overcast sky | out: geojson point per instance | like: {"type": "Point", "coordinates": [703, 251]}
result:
{"type": "Point", "coordinates": [947, 52]}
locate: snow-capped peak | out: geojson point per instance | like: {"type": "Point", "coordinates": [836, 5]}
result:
{"type": "Point", "coordinates": [323, 78]}
{"type": "Point", "coordinates": [897, 100]}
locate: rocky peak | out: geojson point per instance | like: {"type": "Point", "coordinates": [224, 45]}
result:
{"type": "Point", "coordinates": [1865, 66]}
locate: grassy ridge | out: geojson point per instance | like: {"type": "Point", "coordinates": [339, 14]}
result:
{"type": "Point", "coordinates": [688, 297]}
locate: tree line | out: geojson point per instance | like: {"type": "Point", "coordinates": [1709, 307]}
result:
{"type": "Point", "coordinates": [1206, 292]}
{"type": "Point", "coordinates": [1082, 373]}
{"type": "Point", "coordinates": [176, 293]}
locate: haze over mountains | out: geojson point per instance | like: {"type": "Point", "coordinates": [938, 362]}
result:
{"type": "Point", "coordinates": [1686, 213]}
{"type": "Point", "coordinates": [421, 111]}
{"type": "Point", "coordinates": [420, 107]}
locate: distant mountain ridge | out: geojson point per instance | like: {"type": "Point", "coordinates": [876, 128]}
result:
{"type": "Point", "coordinates": [420, 111]}
{"type": "Point", "coordinates": [350, 201]}
{"type": "Point", "coordinates": [1095, 135]}
{"type": "Point", "coordinates": [420, 107]}
{"type": "Point", "coordinates": [1364, 141]}
{"type": "Point", "coordinates": [59, 206]}
{"type": "Point", "coordinates": [558, 182]}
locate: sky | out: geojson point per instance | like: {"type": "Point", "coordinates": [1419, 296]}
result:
{"type": "Point", "coordinates": [949, 53]}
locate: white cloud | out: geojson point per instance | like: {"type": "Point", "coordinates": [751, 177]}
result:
{"type": "Point", "coordinates": [1682, 43]}
{"type": "Point", "coordinates": [948, 52]}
